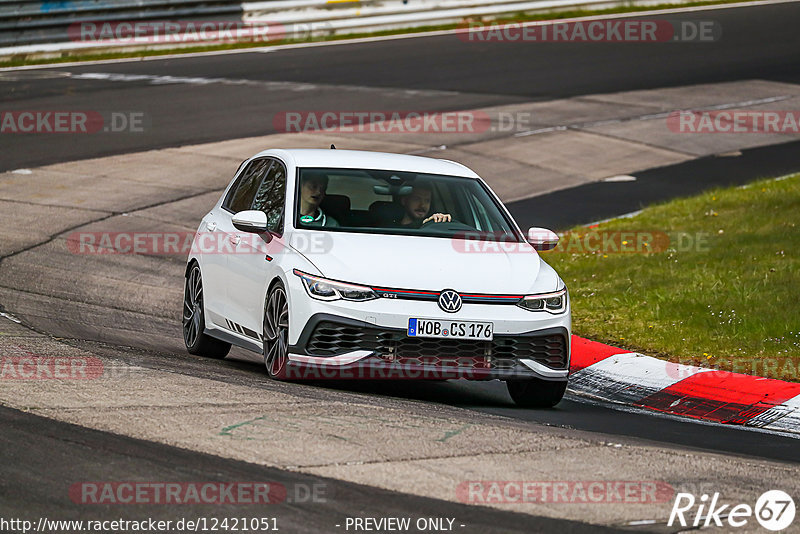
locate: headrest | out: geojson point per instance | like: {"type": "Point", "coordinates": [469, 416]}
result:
{"type": "Point", "coordinates": [385, 212]}
{"type": "Point", "coordinates": [336, 204]}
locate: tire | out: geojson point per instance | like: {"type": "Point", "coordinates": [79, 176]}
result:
{"type": "Point", "coordinates": [276, 332]}
{"type": "Point", "coordinates": [536, 393]}
{"type": "Point", "coordinates": [194, 324]}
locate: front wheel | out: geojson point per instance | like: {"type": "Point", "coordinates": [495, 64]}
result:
{"type": "Point", "coordinates": [194, 324]}
{"type": "Point", "coordinates": [536, 393]}
{"type": "Point", "coordinates": [276, 332]}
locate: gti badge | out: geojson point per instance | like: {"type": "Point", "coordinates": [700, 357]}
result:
{"type": "Point", "coordinates": [449, 301]}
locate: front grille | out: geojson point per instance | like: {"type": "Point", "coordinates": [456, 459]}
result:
{"type": "Point", "coordinates": [330, 338]}
{"type": "Point", "coordinates": [548, 350]}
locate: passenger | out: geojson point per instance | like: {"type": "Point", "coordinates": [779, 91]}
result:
{"type": "Point", "coordinates": [417, 204]}
{"type": "Point", "coordinates": [312, 193]}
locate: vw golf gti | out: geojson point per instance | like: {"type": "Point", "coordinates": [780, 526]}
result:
{"type": "Point", "coordinates": [353, 264]}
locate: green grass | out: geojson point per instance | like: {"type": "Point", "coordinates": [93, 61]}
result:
{"type": "Point", "coordinates": [520, 17]}
{"type": "Point", "coordinates": [732, 303]}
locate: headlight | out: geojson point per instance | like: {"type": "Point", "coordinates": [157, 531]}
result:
{"type": "Point", "coordinates": [549, 302]}
{"type": "Point", "coordinates": [324, 289]}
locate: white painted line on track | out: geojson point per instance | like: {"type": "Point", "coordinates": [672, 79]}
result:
{"type": "Point", "coordinates": [414, 35]}
{"type": "Point", "coordinates": [623, 216]}
{"type": "Point", "coordinates": [270, 85]}
{"type": "Point", "coordinates": [544, 130]}
{"type": "Point", "coordinates": [778, 179]}
{"type": "Point", "coordinates": [10, 317]}
{"type": "Point", "coordinates": [619, 178]}
{"type": "Point", "coordinates": [637, 212]}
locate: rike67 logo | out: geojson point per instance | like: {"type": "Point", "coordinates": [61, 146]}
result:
{"type": "Point", "coordinates": [774, 510]}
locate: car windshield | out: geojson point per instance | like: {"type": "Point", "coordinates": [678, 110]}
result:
{"type": "Point", "coordinates": [398, 202]}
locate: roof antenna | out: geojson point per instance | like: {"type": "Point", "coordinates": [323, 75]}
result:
{"type": "Point", "coordinates": [333, 147]}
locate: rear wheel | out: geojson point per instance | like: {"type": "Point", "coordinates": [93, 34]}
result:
{"type": "Point", "coordinates": [194, 324]}
{"type": "Point", "coordinates": [536, 393]}
{"type": "Point", "coordinates": [276, 332]}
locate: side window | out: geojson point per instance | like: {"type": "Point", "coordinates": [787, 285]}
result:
{"type": "Point", "coordinates": [241, 195]}
{"type": "Point", "coordinates": [271, 197]}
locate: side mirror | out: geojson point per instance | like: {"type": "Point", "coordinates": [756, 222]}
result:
{"type": "Point", "coordinates": [254, 221]}
{"type": "Point", "coordinates": [542, 239]}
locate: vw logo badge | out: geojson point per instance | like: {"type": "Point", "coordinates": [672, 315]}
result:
{"type": "Point", "coordinates": [449, 301]}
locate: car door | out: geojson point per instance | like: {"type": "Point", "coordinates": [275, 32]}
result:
{"type": "Point", "coordinates": [223, 236]}
{"type": "Point", "coordinates": [209, 247]}
{"type": "Point", "coordinates": [253, 262]}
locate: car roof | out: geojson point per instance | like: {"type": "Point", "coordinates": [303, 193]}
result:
{"type": "Point", "coordinates": [362, 159]}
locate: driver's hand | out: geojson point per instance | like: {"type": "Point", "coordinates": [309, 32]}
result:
{"type": "Point", "coordinates": [438, 217]}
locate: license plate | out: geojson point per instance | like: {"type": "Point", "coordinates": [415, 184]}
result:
{"type": "Point", "coordinates": [450, 329]}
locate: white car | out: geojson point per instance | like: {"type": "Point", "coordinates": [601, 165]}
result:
{"type": "Point", "coordinates": [351, 264]}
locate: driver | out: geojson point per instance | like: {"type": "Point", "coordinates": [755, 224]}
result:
{"type": "Point", "coordinates": [312, 193]}
{"type": "Point", "coordinates": [417, 204]}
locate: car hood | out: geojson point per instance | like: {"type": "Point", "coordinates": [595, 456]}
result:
{"type": "Point", "coordinates": [427, 263]}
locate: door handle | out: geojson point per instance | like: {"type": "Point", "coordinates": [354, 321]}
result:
{"type": "Point", "coordinates": [211, 226]}
{"type": "Point", "coordinates": [235, 239]}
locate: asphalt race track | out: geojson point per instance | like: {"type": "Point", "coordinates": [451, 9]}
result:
{"type": "Point", "coordinates": [757, 43]}
{"type": "Point", "coordinates": [218, 97]}
{"type": "Point", "coordinates": [596, 202]}
{"type": "Point", "coordinates": [59, 450]}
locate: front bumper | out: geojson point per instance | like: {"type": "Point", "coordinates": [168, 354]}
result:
{"type": "Point", "coordinates": [333, 346]}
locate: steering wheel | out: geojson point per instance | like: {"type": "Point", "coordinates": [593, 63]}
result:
{"type": "Point", "coordinates": [448, 226]}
